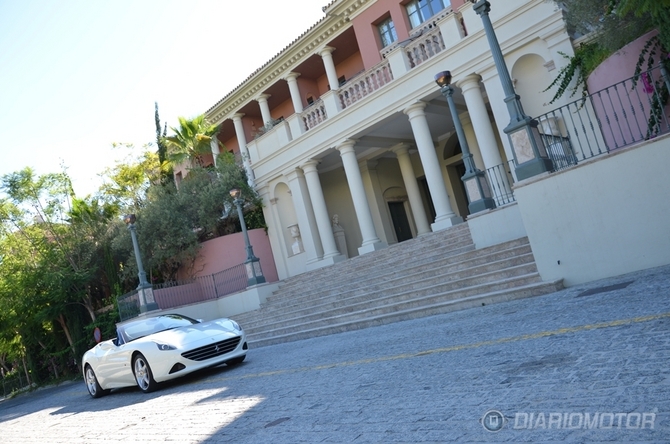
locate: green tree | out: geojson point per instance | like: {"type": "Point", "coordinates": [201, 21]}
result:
{"type": "Point", "coordinates": [175, 221]}
{"type": "Point", "coordinates": [125, 185]}
{"type": "Point", "coordinates": [50, 278]}
{"type": "Point", "coordinates": [191, 140]}
{"type": "Point", "coordinates": [161, 132]}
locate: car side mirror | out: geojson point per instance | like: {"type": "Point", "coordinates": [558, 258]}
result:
{"type": "Point", "coordinates": [107, 345]}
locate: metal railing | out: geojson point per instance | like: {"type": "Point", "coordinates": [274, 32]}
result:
{"type": "Point", "coordinates": [620, 115]}
{"type": "Point", "coordinates": [178, 293]}
{"type": "Point", "coordinates": [500, 181]}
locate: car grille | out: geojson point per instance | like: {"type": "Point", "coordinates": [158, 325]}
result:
{"type": "Point", "coordinates": [212, 350]}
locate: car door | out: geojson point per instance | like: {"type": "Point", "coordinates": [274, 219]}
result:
{"type": "Point", "coordinates": [114, 366]}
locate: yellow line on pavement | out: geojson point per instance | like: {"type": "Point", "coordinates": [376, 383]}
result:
{"type": "Point", "coordinates": [542, 334]}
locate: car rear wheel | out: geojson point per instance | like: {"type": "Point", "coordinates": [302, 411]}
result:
{"type": "Point", "coordinates": [92, 383]}
{"type": "Point", "coordinates": [236, 361]}
{"type": "Point", "coordinates": [143, 376]}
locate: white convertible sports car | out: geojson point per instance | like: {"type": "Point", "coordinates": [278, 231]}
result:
{"type": "Point", "coordinates": [151, 350]}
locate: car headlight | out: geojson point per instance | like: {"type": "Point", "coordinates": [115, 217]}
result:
{"type": "Point", "coordinates": [165, 347]}
{"type": "Point", "coordinates": [235, 324]}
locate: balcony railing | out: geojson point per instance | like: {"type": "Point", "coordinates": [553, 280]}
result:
{"type": "Point", "coordinates": [620, 115]}
{"type": "Point", "coordinates": [424, 46]}
{"type": "Point", "coordinates": [364, 84]}
{"type": "Point", "coordinates": [314, 114]}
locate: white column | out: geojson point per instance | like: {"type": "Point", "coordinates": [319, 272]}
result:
{"type": "Point", "coordinates": [321, 211]}
{"type": "Point", "coordinates": [445, 216]}
{"type": "Point", "coordinates": [242, 142]}
{"type": "Point", "coordinates": [292, 80]}
{"type": "Point", "coordinates": [275, 236]}
{"type": "Point", "coordinates": [327, 57]}
{"type": "Point", "coordinates": [265, 108]}
{"type": "Point", "coordinates": [481, 122]}
{"type": "Point", "coordinates": [412, 187]}
{"type": "Point", "coordinates": [496, 97]}
{"type": "Point", "coordinates": [214, 146]}
{"type": "Point", "coordinates": [305, 214]}
{"type": "Point", "coordinates": [370, 240]}
{"type": "Point", "coordinates": [471, 139]}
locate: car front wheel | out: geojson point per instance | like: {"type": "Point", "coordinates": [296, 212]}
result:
{"type": "Point", "coordinates": [143, 376]}
{"type": "Point", "coordinates": [92, 383]}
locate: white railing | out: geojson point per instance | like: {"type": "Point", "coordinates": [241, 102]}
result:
{"type": "Point", "coordinates": [314, 114]}
{"type": "Point", "coordinates": [365, 83]}
{"type": "Point", "coordinates": [424, 46]}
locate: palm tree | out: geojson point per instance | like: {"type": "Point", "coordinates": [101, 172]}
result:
{"type": "Point", "coordinates": [191, 140]}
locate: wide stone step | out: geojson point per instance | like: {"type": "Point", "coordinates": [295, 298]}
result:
{"type": "Point", "coordinates": [416, 257]}
{"type": "Point", "coordinates": [380, 302]}
{"type": "Point", "coordinates": [530, 290]}
{"type": "Point", "coordinates": [437, 279]}
{"type": "Point", "coordinates": [451, 268]}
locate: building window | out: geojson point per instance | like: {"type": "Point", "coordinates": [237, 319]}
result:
{"type": "Point", "coordinates": [387, 32]}
{"type": "Point", "coordinates": [418, 11]}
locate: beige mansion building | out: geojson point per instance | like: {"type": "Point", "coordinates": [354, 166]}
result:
{"type": "Point", "coordinates": [352, 146]}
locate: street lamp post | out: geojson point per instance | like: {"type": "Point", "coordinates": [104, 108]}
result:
{"type": "Point", "coordinates": [144, 289]}
{"type": "Point", "coordinates": [530, 154]}
{"type": "Point", "coordinates": [252, 264]}
{"type": "Point", "coordinates": [474, 179]}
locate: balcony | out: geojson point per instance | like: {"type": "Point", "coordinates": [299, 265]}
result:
{"type": "Point", "coordinates": [364, 84]}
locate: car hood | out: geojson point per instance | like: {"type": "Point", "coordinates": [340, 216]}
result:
{"type": "Point", "coordinates": [212, 331]}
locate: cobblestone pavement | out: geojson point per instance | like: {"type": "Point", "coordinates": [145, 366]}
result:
{"type": "Point", "coordinates": [586, 364]}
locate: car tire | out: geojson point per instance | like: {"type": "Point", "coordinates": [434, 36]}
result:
{"type": "Point", "coordinates": [92, 383]}
{"type": "Point", "coordinates": [236, 361]}
{"type": "Point", "coordinates": [143, 376]}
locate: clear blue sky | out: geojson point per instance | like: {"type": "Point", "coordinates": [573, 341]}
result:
{"type": "Point", "coordinates": [78, 75]}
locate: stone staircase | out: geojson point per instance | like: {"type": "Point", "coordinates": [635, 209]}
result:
{"type": "Point", "coordinates": [433, 274]}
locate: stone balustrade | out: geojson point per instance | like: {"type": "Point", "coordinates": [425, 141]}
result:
{"type": "Point", "coordinates": [314, 114]}
{"type": "Point", "coordinates": [365, 83]}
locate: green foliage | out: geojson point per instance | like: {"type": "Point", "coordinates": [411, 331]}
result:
{"type": "Point", "coordinates": [191, 140]}
{"type": "Point", "coordinates": [657, 89]}
{"type": "Point", "coordinates": [174, 221]}
{"type": "Point", "coordinates": [611, 24]}
{"type": "Point", "coordinates": [125, 185]}
{"type": "Point", "coordinates": [161, 132]}
{"type": "Point", "coordinates": [63, 259]}
{"type": "Point", "coordinates": [573, 76]}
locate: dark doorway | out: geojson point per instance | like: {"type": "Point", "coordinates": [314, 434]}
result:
{"type": "Point", "coordinates": [400, 222]}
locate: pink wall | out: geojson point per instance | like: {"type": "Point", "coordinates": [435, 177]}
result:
{"type": "Point", "coordinates": [231, 144]}
{"type": "Point", "coordinates": [366, 29]}
{"type": "Point", "coordinates": [619, 66]}
{"type": "Point", "coordinates": [284, 109]}
{"type": "Point", "coordinates": [615, 69]}
{"type": "Point", "coordinates": [351, 66]}
{"type": "Point", "coordinates": [228, 251]}
{"type": "Point", "coordinates": [306, 86]}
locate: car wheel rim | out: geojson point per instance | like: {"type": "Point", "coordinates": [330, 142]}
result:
{"type": "Point", "coordinates": [141, 374]}
{"type": "Point", "coordinates": [90, 381]}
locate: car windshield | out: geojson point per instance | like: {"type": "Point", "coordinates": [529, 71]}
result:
{"type": "Point", "coordinates": [144, 327]}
